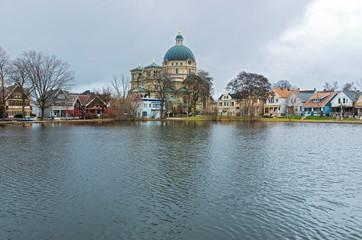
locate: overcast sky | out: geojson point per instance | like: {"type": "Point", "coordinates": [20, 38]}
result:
{"type": "Point", "coordinates": [306, 42]}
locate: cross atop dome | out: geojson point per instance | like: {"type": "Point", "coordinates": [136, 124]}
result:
{"type": "Point", "coordinates": [179, 38]}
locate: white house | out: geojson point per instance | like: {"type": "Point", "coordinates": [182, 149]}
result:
{"type": "Point", "coordinates": [149, 108]}
{"type": "Point", "coordinates": [344, 102]}
{"type": "Point", "coordinates": [296, 100]}
{"type": "Point", "coordinates": [276, 105]}
{"type": "Point", "coordinates": [62, 103]}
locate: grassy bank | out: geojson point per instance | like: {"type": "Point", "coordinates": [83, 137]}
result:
{"type": "Point", "coordinates": [310, 120]}
{"type": "Point", "coordinates": [205, 118]}
{"type": "Point", "coordinates": [60, 121]}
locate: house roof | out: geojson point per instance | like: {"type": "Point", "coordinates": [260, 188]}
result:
{"type": "Point", "coordinates": [83, 99]}
{"type": "Point", "coordinates": [283, 93]}
{"type": "Point", "coordinates": [9, 90]}
{"type": "Point", "coordinates": [304, 96]}
{"type": "Point", "coordinates": [352, 95]}
{"type": "Point", "coordinates": [324, 98]}
{"type": "Point", "coordinates": [233, 96]}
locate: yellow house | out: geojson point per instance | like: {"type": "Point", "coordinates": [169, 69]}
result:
{"type": "Point", "coordinates": [15, 97]}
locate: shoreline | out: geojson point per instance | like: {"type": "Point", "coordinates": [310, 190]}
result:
{"type": "Point", "coordinates": [197, 118]}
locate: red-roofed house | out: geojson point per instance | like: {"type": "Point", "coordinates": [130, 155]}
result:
{"type": "Point", "coordinates": [89, 106]}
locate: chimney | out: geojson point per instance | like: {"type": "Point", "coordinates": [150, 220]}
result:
{"type": "Point", "coordinates": [324, 90]}
{"type": "Point", "coordinates": [298, 89]}
{"type": "Point", "coordinates": [315, 89]}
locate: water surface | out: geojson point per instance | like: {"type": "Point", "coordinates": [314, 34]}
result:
{"type": "Point", "coordinates": [181, 180]}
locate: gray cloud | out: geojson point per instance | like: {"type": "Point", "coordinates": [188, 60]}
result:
{"type": "Point", "coordinates": [103, 38]}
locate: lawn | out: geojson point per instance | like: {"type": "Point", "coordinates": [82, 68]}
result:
{"type": "Point", "coordinates": [325, 118]}
{"type": "Point", "coordinates": [293, 117]}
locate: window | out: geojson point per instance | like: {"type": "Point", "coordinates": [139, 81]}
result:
{"type": "Point", "coordinates": [185, 99]}
{"type": "Point", "coordinates": [220, 104]}
{"type": "Point", "coordinates": [176, 64]}
{"type": "Point", "coordinates": [144, 114]}
{"type": "Point", "coordinates": [344, 100]}
{"type": "Point", "coordinates": [142, 84]}
{"type": "Point", "coordinates": [176, 71]}
{"type": "Point", "coordinates": [180, 63]}
{"type": "Point", "coordinates": [339, 100]}
{"type": "Point", "coordinates": [276, 100]}
{"type": "Point", "coordinates": [232, 104]}
{"type": "Point", "coordinates": [189, 71]}
{"type": "Point", "coordinates": [145, 105]}
{"type": "Point", "coordinates": [149, 105]}
{"type": "Point", "coordinates": [172, 64]}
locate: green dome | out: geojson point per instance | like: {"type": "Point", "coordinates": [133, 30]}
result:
{"type": "Point", "coordinates": [179, 52]}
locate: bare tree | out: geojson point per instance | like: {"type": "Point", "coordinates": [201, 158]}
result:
{"type": "Point", "coordinates": [359, 84]}
{"type": "Point", "coordinates": [121, 88]}
{"type": "Point", "coordinates": [249, 87]}
{"type": "Point", "coordinates": [348, 86]}
{"type": "Point", "coordinates": [4, 65]}
{"type": "Point", "coordinates": [293, 102]}
{"type": "Point", "coordinates": [162, 86]}
{"type": "Point", "coordinates": [284, 84]}
{"type": "Point", "coordinates": [105, 96]}
{"type": "Point", "coordinates": [19, 77]}
{"type": "Point", "coordinates": [200, 88]}
{"type": "Point", "coordinates": [47, 74]}
{"type": "Point", "coordinates": [134, 101]}
{"type": "Point", "coordinates": [331, 87]}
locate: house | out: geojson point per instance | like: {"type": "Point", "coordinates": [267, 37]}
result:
{"type": "Point", "coordinates": [228, 105]}
{"type": "Point", "coordinates": [15, 98]}
{"type": "Point", "coordinates": [344, 102]}
{"type": "Point", "coordinates": [276, 105]}
{"type": "Point", "coordinates": [296, 100]}
{"type": "Point", "coordinates": [318, 104]}
{"type": "Point", "coordinates": [62, 105]}
{"type": "Point", "coordinates": [89, 105]}
{"type": "Point", "coordinates": [149, 108]}
{"type": "Point", "coordinates": [358, 106]}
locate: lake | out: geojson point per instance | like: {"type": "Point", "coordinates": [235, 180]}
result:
{"type": "Point", "coordinates": [181, 180]}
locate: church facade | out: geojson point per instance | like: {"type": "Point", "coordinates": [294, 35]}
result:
{"type": "Point", "coordinates": [178, 63]}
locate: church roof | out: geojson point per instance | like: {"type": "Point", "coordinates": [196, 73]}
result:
{"type": "Point", "coordinates": [153, 65]}
{"type": "Point", "coordinates": [137, 68]}
{"type": "Point", "coordinates": [179, 52]}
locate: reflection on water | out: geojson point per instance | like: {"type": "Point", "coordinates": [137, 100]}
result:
{"type": "Point", "coordinates": [181, 180]}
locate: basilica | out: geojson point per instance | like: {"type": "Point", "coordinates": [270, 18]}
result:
{"type": "Point", "coordinates": [178, 63]}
